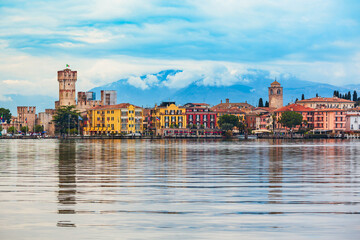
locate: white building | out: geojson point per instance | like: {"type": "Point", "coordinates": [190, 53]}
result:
{"type": "Point", "coordinates": [352, 121]}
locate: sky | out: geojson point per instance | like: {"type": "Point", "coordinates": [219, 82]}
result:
{"type": "Point", "coordinates": [314, 40]}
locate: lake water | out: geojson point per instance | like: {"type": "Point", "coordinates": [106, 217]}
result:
{"type": "Point", "coordinates": [183, 189]}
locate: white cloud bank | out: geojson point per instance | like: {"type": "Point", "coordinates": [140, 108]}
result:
{"type": "Point", "coordinates": [32, 75]}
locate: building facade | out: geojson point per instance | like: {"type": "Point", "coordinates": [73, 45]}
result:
{"type": "Point", "coordinates": [26, 116]}
{"type": "Point", "coordinates": [108, 97]}
{"type": "Point", "coordinates": [167, 115]}
{"type": "Point", "coordinates": [323, 120]}
{"type": "Point", "coordinates": [322, 102]}
{"type": "Point", "coordinates": [123, 118]}
{"type": "Point", "coordinates": [201, 116]}
{"type": "Point", "coordinates": [67, 84]}
{"type": "Point", "coordinates": [45, 120]}
{"type": "Point", "coordinates": [244, 107]}
{"type": "Point", "coordinates": [275, 95]}
{"type": "Point", "coordinates": [352, 122]}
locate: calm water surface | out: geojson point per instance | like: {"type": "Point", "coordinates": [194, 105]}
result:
{"type": "Point", "coordinates": [164, 189]}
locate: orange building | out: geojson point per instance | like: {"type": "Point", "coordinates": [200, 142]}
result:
{"type": "Point", "coordinates": [326, 119]}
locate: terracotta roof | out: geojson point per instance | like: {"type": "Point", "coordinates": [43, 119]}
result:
{"type": "Point", "coordinates": [329, 110]}
{"type": "Point", "coordinates": [323, 99]}
{"type": "Point", "coordinates": [231, 105]}
{"type": "Point", "coordinates": [294, 107]}
{"type": "Point", "coordinates": [262, 108]}
{"type": "Point", "coordinates": [275, 83]}
{"type": "Point", "coordinates": [356, 109]}
{"type": "Point", "coordinates": [197, 104]}
{"type": "Point", "coordinates": [117, 106]}
{"type": "Point", "coordinates": [229, 110]}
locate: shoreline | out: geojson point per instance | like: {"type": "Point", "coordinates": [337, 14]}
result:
{"type": "Point", "coordinates": [183, 137]}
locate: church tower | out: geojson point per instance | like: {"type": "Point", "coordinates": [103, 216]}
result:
{"type": "Point", "coordinates": [275, 95]}
{"type": "Point", "coordinates": [67, 94]}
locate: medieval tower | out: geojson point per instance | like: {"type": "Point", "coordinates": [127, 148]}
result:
{"type": "Point", "coordinates": [67, 94]}
{"type": "Point", "coordinates": [275, 95]}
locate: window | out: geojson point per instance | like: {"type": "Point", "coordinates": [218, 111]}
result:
{"type": "Point", "coordinates": [166, 111]}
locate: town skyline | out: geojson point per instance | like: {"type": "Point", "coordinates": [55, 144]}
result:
{"type": "Point", "coordinates": [220, 42]}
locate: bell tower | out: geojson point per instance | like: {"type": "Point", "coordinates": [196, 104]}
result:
{"type": "Point", "coordinates": [67, 81]}
{"type": "Point", "coordinates": [275, 95]}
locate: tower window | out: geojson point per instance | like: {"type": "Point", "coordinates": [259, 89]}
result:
{"type": "Point", "coordinates": [278, 91]}
{"type": "Point", "coordinates": [271, 91]}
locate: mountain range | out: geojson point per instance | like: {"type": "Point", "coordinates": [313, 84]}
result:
{"type": "Point", "coordinates": [252, 86]}
{"type": "Point", "coordinates": [151, 89]}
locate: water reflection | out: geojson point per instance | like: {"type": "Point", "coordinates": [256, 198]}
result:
{"type": "Point", "coordinates": [186, 189]}
{"type": "Point", "coordinates": [275, 172]}
{"type": "Point", "coordinates": [67, 181]}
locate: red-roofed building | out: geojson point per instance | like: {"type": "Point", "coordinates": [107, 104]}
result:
{"type": "Point", "coordinates": [201, 116]}
{"type": "Point", "coordinates": [326, 119]}
{"type": "Point", "coordinates": [322, 102]}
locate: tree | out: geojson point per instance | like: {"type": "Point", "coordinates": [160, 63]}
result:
{"type": "Point", "coordinates": [349, 95]}
{"type": "Point", "coordinates": [227, 127]}
{"type": "Point", "coordinates": [12, 129]}
{"type": "Point", "coordinates": [5, 115]}
{"type": "Point", "coordinates": [66, 118]}
{"type": "Point", "coordinates": [302, 97]}
{"type": "Point", "coordinates": [261, 104]}
{"type": "Point", "coordinates": [266, 104]}
{"type": "Point", "coordinates": [38, 129]}
{"type": "Point", "coordinates": [317, 95]}
{"type": "Point", "coordinates": [1, 128]}
{"type": "Point", "coordinates": [202, 126]}
{"type": "Point", "coordinates": [24, 129]}
{"type": "Point", "coordinates": [226, 121]}
{"type": "Point", "coordinates": [296, 99]}
{"type": "Point", "coordinates": [355, 97]}
{"type": "Point", "coordinates": [290, 119]}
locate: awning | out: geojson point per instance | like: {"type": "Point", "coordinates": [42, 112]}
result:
{"type": "Point", "coordinates": [261, 131]}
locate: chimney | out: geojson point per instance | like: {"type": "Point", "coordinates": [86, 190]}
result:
{"type": "Point", "coordinates": [227, 100]}
{"type": "Point", "coordinates": [221, 101]}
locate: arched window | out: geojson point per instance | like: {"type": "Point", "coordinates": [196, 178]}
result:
{"type": "Point", "coordinates": [271, 91]}
{"type": "Point", "coordinates": [278, 91]}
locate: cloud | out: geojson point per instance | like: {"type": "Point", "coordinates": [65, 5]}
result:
{"type": "Point", "coordinates": [240, 31]}
{"type": "Point", "coordinates": [5, 98]}
{"type": "Point", "coordinates": [215, 43]}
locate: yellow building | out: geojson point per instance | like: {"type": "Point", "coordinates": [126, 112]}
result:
{"type": "Point", "coordinates": [114, 119]}
{"type": "Point", "coordinates": [168, 115]}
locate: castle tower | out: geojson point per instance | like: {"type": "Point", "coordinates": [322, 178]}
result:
{"type": "Point", "coordinates": [275, 95]}
{"type": "Point", "coordinates": [67, 81]}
